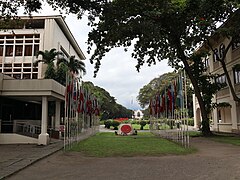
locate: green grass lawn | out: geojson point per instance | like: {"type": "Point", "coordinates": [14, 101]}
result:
{"type": "Point", "coordinates": [138, 126]}
{"type": "Point", "coordinates": [143, 144]}
{"type": "Point", "coordinates": [227, 139]}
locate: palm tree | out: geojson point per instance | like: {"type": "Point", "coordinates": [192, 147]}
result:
{"type": "Point", "coordinates": [74, 65]}
{"type": "Point", "coordinates": [47, 58]}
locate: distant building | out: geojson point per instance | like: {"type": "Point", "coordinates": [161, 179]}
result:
{"type": "Point", "coordinates": [24, 94]}
{"type": "Point", "coordinates": [137, 114]}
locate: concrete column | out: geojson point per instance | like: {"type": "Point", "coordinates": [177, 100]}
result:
{"type": "Point", "coordinates": [234, 116]}
{"type": "Point", "coordinates": [57, 115]}
{"type": "Point", "coordinates": [194, 111]}
{"type": "Point", "coordinates": [43, 138]}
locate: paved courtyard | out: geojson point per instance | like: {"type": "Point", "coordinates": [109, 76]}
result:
{"type": "Point", "coordinates": [213, 161]}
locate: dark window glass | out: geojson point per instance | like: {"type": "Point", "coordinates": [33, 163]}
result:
{"type": "Point", "coordinates": [34, 76]}
{"type": "Point", "coordinates": [28, 41]}
{"type": "Point", "coordinates": [1, 50]}
{"type": "Point", "coordinates": [26, 70]}
{"type": "Point", "coordinates": [16, 70]}
{"type": "Point", "coordinates": [18, 50]}
{"type": "Point", "coordinates": [237, 76]}
{"type": "Point", "coordinates": [19, 41]}
{"type": "Point", "coordinates": [28, 50]}
{"type": "Point", "coordinates": [7, 70]}
{"type": "Point", "coordinates": [17, 76]}
{"type": "Point", "coordinates": [215, 55]}
{"type": "Point", "coordinates": [17, 65]}
{"type": "Point", "coordinates": [19, 36]}
{"type": "Point", "coordinates": [9, 50]}
{"type": "Point", "coordinates": [27, 65]}
{"type": "Point", "coordinates": [36, 49]}
{"type": "Point", "coordinates": [35, 24]}
{"type": "Point", "coordinates": [28, 36]}
{"type": "Point", "coordinates": [26, 76]}
{"type": "Point", "coordinates": [221, 50]}
{"type": "Point", "coordinates": [8, 65]}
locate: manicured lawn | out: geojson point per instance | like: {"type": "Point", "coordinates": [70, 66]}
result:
{"type": "Point", "coordinates": [227, 139]}
{"type": "Point", "coordinates": [143, 144]}
{"type": "Point", "coordinates": [138, 126]}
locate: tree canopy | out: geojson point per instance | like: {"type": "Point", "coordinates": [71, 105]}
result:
{"type": "Point", "coordinates": [158, 30]}
{"type": "Point", "coordinates": [109, 108]}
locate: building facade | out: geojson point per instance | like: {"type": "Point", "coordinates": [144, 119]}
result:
{"type": "Point", "coordinates": [224, 119]}
{"type": "Point", "coordinates": [24, 94]}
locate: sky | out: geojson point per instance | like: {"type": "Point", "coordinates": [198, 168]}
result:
{"type": "Point", "coordinates": [117, 73]}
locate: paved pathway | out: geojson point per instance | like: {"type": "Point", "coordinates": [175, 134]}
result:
{"type": "Point", "coordinates": [212, 161]}
{"type": "Point", "coordinates": [14, 158]}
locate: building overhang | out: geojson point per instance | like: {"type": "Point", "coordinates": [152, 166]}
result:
{"type": "Point", "coordinates": [32, 89]}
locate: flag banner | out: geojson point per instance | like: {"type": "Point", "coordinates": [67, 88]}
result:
{"type": "Point", "coordinates": [81, 110]}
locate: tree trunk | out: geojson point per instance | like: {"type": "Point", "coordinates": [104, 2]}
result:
{"type": "Point", "coordinates": [205, 120]}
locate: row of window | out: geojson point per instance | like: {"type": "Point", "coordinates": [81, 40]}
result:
{"type": "Point", "coordinates": [222, 78]}
{"type": "Point", "coordinates": [24, 24]}
{"type": "Point", "coordinates": [23, 75]}
{"type": "Point", "coordinates": [19, 50]}
{"type": "Point", "coordinates": [20, 36]}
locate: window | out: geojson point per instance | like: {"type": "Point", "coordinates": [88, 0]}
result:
{"type": "Point", "coordinates": [35, 24]}
{"type": "Point", "coordinates": [28, 50]}
{"type": "Point", "coordinates": [206, 62]}
{"type": "Point", "coordinates": [221, 50]}
{"type": "Point", "coordinates": [222, 80]}
{"type": "Point", "coordinates": [34, 76]}
{"type": "Point", "coordinates": [28, 41]}
{"type": "Point", "coordinates": [19, 36]}
{"type": "Point", "coordinates": [36, 49]}
{"type": "Point", "coordinates": [27, 65]}
{"type": "Point", "coordinates": [17, 76]}
{"type": "Point", "coordinates": [237, 76]}
{"type": "Point", "coordinates": [17, 65]}
{"type": "Point", "coordinates": [7, 65]}
{"type": "Point", "coordinates": [19, 41]}
{"type": "Point", "coordinates": [7, 70]}
{"type": "Point", "coordinates": [215, 55]}
{"type": "Point", "coordinates": [26, 76]}
{"type": "Point", "coordinates": [1, 50]}
{"type": "Point", "coordinates": [18, 50]}
{"type": "Point", "coordinates": [235, 44]}
{"type": "Point", "coordinates": [16, 70]}
{"type": "Point", "coordinates": [9, 50]}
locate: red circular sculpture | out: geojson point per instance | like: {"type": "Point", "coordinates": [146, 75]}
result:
{"type": "Point", "coordinates": [126, 129]}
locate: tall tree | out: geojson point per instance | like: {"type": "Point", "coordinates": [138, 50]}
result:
{"type": "Point", "coordinates": [154, 86]}
{"type": "Point", "coordinates": [74, 65]}
{"type": "Point", "coordinates": [166, 29]}
{"type": "Point", "coordinates": [160, 30]}
{"type": "Point", "coordinates": [48, 57]}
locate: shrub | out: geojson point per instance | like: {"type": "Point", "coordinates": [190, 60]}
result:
{"type": "Point", "coordinates": [108, 124]}
{"type": "Point", "coordinates": [134, 122]}
{"type": "Point", "coordinates": [142, 123]}
{"type": "Point", "coordinates": [115, 124]}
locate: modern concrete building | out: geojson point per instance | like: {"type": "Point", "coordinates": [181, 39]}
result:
{"type": "Point", "coordinates": [225, 119]}
{"type": "Point", "coordinates": [24, 94]}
